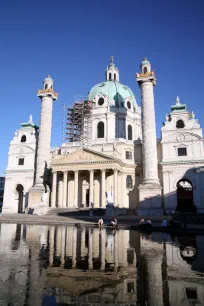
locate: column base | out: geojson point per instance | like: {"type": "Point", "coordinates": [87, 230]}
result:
{"type": "Point", "coordinates": [38, 200]}
{"type": "Point", "coordinates": [150, 202]}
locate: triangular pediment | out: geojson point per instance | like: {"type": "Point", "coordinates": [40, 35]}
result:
{"type": "Point", "coordinates": [82, 156]}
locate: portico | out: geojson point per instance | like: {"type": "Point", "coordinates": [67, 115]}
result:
{"type": "Point", "coordinates": [84, 177]}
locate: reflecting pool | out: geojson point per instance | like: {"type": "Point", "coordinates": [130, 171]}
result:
{"type": "Point", "coordinates": [68, 265]}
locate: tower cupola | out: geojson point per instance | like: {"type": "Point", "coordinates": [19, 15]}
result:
{"type": "Point", "coordinates": [48, 83]}
{"type": "Point", "coordinates": [145, 66]}
{"type": "Point", "coordinates": [112, 72]}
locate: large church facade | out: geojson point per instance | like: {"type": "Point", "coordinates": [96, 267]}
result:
{"type": "Point", "coordinates": [117, 155]}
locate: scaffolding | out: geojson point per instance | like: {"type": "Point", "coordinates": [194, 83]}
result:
{"type": "Point", "coordinates": [76, 126]}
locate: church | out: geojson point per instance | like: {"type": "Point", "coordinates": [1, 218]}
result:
{"type": "Point", "coordinates": [111, 150]}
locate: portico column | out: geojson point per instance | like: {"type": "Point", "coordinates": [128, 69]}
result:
{"type": "Point", "coordinates": [124, 192]}
{"type": "Point", "coordinates": [115, 187]}
{"type": "Point", "coordinates": [91, 179]}
{"type": "Point", "coordinates": [76, 179]}
{"type": "Point", "coordinates": [54, 187]}
{"type": "Point", "coordinates": [103, 188]}
{"type": "Point", "coordinates": [65, 174]}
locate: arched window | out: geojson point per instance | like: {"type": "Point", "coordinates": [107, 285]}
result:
{"type": "Point", "coordinates": [129, 132]}
{"type": "Point", "coordinates": [114, 77]}
{"type": "Point", "coordinates": [180, 124]}
{"type": "Point", "coordinates": [129, 182]}
{"type": "Point", "coordinates": [109, 76]}
{"type": "Point", "coordinates": [23, 138]}
{"type": "Point", "coordinates": [100, 130]}
{"type": "Point", "coordinates": [128, 105]}
{"type": "Point", "coordinates": [145, 69]}
{"type": "Point", "coordinates": [46, 86]}
{"type": "Point", "coordinates": [100, 101]}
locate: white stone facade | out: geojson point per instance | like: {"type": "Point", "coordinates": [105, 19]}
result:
{"type": "Point", "coordinates": [20, 171]}
{"type": "Point", "coordinates": [118, 153]}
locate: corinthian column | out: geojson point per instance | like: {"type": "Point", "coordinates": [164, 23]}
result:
{"type": "Point", "coordinates": [54, 189]}
{"type": "Point", "coordinates": [116, 187]}
{"type": "Point", "coordinates": [103, 188]}
{"type": "Point", "coordinates": [65, 188]}
{"type": "Point", "coordinates": [91, 180]}
{"type": "Point", "coordinates": [76, 182]}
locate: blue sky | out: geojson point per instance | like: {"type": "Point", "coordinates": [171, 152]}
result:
{"type": "Point", "coordinates": [73, 41]}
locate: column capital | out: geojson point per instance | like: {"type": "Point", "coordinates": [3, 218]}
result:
{"type": "Point", "coordinates": [115, 170]}
{"type": "Point", "coordinates": [91, 170]}
{"type": "Point", "coordinates": [76, 171]}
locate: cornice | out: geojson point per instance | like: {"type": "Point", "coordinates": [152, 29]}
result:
{"type": "Point", "coordinates": [182, 162]}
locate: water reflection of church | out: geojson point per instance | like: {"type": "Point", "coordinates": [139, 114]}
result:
{"type": "Point", "coordinates": [86, 266]}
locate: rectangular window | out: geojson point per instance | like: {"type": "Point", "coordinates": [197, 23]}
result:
{"type": "Point", "coordinates": [128, 155]}
{"type": "Point", "coordinates": [182, 152]}
{"type": "Point", "coordinates": [21, 161]}
{"type": "Point", "coordinates": [191, 293]}
{"type": "Point", "coordinates": [130, 287]}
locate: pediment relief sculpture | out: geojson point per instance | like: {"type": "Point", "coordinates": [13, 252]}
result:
{"type": "Point", "coordinates": [81, 156]}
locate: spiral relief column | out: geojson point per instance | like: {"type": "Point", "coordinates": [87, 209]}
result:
{"type": "Point", "coordinates": [39, 193]}
{"type": "Point", "coordinates": [150, 189]}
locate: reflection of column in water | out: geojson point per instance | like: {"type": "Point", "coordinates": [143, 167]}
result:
{"type": "Point", "coordinates": [103, 248]}
{"type": "Point", "coordinates": [43, 235]}
{"type": "Point", "coordinates": [63, 245]}
{"type": "Point", "coordinates": [116, 251]}
{"type": "Point", "coordinates": [51, 243]}
{"type": "Point", "coordinates": [123, 246]}
{"type": "Point", "coordinates": [74, 246]}
{"type": "Point", "coordinates": [155, 280]}
{"type": "Point", "coordinates": [95, 242]}
{"type": "Point", "coordinates": [69, 241]}
{"type": "Point", "coordinates": [83, 247]}
{"type": "Point", "coordinates": [58, 241]}
{"type": "Point", "coordinates": [90, 255]}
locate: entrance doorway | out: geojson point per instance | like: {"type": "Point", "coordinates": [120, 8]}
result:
{"type": "Point", "coordinates": [185, 196]}
{"type": "Point", "coordinates": [19, 189]}
{"type": "Point", "coordinates": [87, 197]}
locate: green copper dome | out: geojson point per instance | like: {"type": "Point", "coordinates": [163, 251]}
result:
{"type": "Point", "coordinates": [113, 90]}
